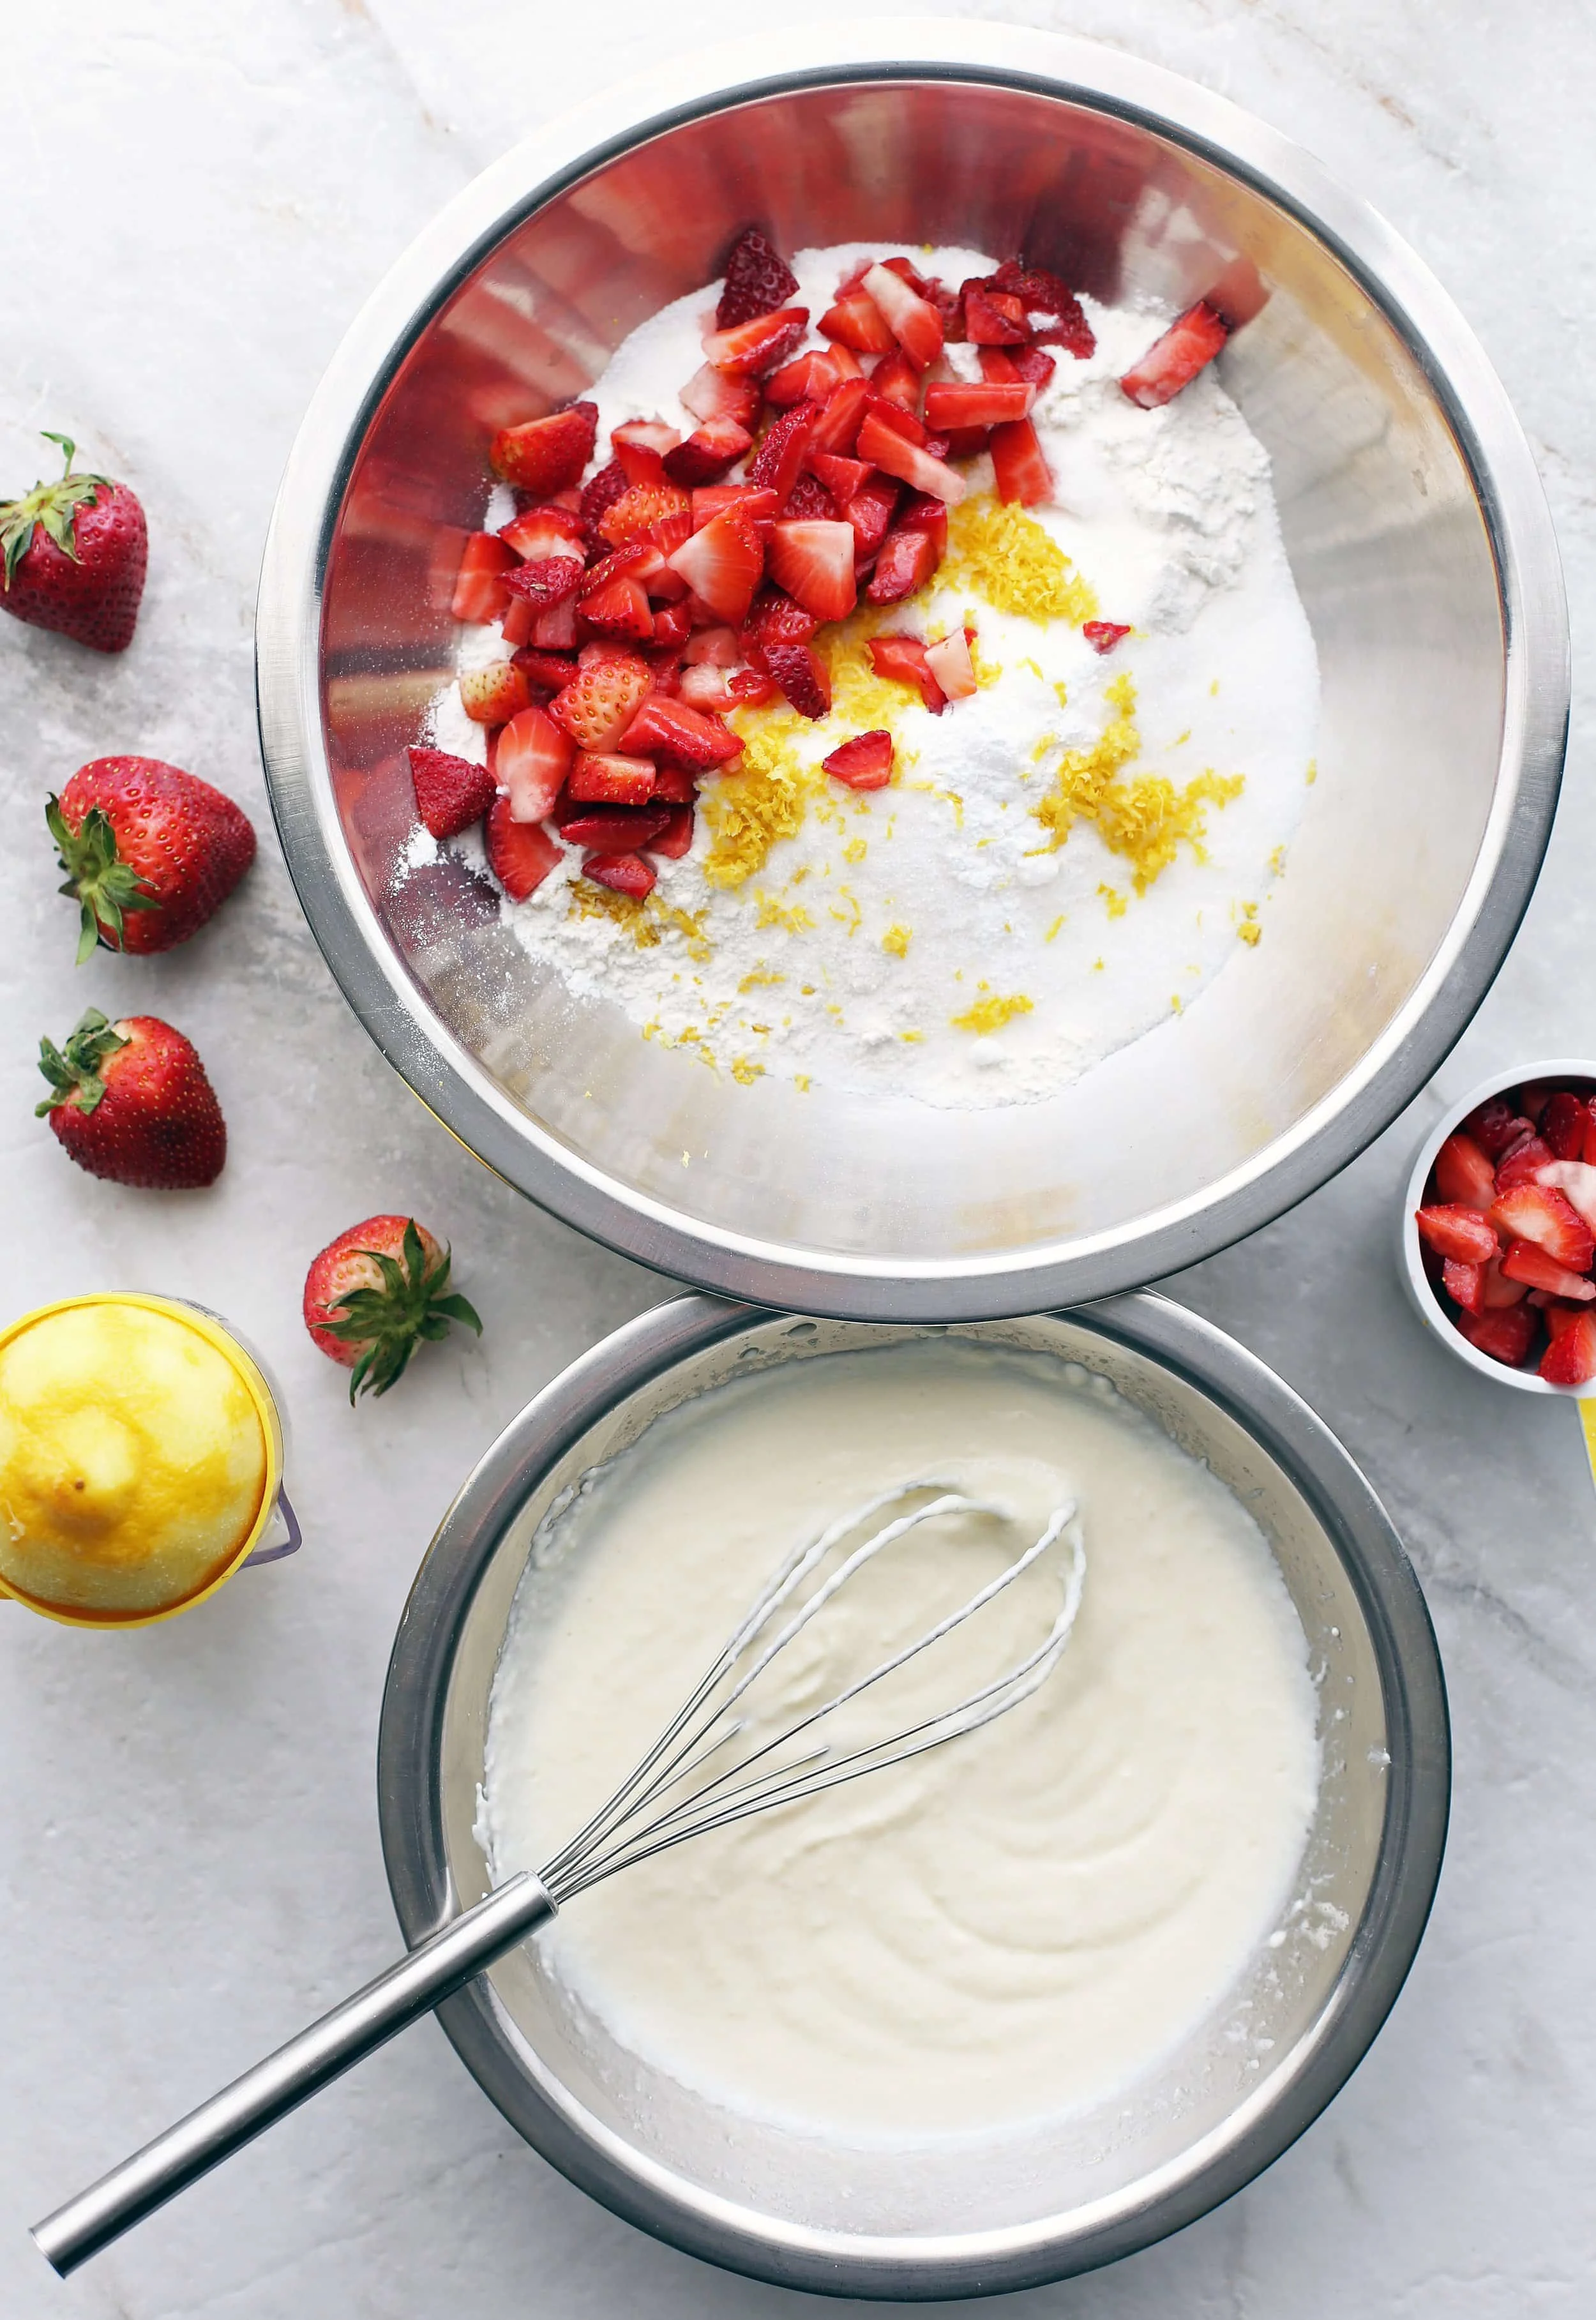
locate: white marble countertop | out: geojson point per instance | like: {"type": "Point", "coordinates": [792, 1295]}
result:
{"type": "Point", "coordinates": [197, 198]}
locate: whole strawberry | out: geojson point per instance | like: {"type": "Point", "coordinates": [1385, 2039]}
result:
{"type": "Point", "coordinates": [149, 851]}
{"type": "Point", "coordinates": [130, 1101]}
{"type": "Point", "coordinates": [376, 1293]}
{"type": "Point", "coordinates": [75, 553]}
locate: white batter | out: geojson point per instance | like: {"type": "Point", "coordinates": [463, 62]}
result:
{"type": "Point", "coordinates": [1016, 1925]}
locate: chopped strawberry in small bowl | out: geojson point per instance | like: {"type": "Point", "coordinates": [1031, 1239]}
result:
{"type": "Point", "coordinates": [1499, 1229]}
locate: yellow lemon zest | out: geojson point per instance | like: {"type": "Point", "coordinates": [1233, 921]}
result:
{"type": "Point", "coordinates": [855, 850]}
{"type": "Point", "coordinates": [1115, 903]}
{"type": "Point", "coordinates": [1247, 927]}
{"type": "Point", "coordinates": [1053, 929]}
{"type": "Point", "coordinates": [755, 978]}
{"type": "Point", "coordinates": [775, 912]}
{"type": "Point", "coordinates": [745, 1072]}
{"type": "Point", "coordinates": [761, 798]}
{"type": "Point", "coordinates": [897, 940]}
{"type": "Point", "coordinates": [990, 1013]}
{"type": "Point", "coordinates": [1143, 820]}
{"type": "Point", "coordinates": [1007, 557]}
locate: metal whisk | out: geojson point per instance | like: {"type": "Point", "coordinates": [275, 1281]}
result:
{"type": "Point", "coordinates": [709, 1767]}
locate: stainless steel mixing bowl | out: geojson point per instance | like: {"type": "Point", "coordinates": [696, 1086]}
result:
{"type": "Point", "coordinates": [1417, 531]}
{"type": "Point", "coordinates": [939, 2220]}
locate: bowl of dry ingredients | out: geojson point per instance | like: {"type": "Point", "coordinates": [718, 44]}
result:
{"type": "Point", "coordinates": [922, 679]}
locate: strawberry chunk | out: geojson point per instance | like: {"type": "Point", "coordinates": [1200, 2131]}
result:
{"type": "Point", "coordinates": [758, 280]}
{"type": "Point", "coordinates": [660, 513]}
{"type": "Point", "coordinates": [611, 829]}
{"type": "Point", "coordinates": [1460, 1232]}
{"type": "Point", "coordinates": [1570, 1357]}
{"type": "Point", "coordinates": [554, 627]}
{"type": "Point", "coordinates": [869, 513]}
{"type": "Point", "coordinates": [1523, 1163]}
{"type": "Point", "coordinates": [600, 778]}
{"type": "Point", "coordinates": [546, 579]}
{"type": "Point", "coordinates": [807, 379]}
{"type": "Point", "coordinates": [710, 500]}
{"type": "Point", "coordinates": [896, 381]}
{"type": "Point", "coordinates": [519, 854]}
{"type": "Point", "coordinates": [717, 647]}
{"type": "Point", "coordinates": [1537, 1213]}
{"type": "Point", "coordinates": [711, 394]}
{"type": "Point", "coordinates": [802, 677]}
{"type": "Point", "coordinates": [907, 560]}
{"type": "Point", "coordinates": [601, 701]}
{"type": "Point", "coordinates": [627, 874]}
{"type": "Point", "coordinates": [865, 762]}
{"type": "Point", "coordinates": [814, 563]}
{"type": "Point", "coordinates": [993, 318]}
{"type": "Point", "coordinates": [707, 453]}
{"type": "Point", "coordinates": [619, 608]}
{"type": "Point", "coordinates": [1563, 1123]}
{"type": "Point", "coordinates": [544, 532]}
{"type": "Point", "coordinates": [450, 792]}
{"type": "Point", "coordinates": [600, 493]}
{"type": "Point", "coordinates": [1495, 1288]}
{"type": "Point", "coordinates": [546, 671]}
{"type": "Point", "coordinates": [905, 660]}
{"type": "Point", "coordinates": [1102, 636]}
{"type": "Point", "coordinates": [1173, 361]}
{"type": "Point", "coordinates": [856, 321]}
{"type": "Point", "coordinates": [722, 564]}
{"type": "Point", "coordinates": [842, 477]}
{"type": "Point", "coordinates": [810, 501]}
{"type": "Point", "coordinates": [546, 455]}
{"type": "Point", "coordinates": [1496, 1124]}
{"type": "Point", "coordinates": [530, 763]}
{"type": "Point", "coordinates": [952, 403]}
{"type": "Point", "coordinates": [779, 463]}
{"type": "Point", "coordinates": [1464, 1285]}
{"type": "Point", "coordinates": [492, 695]}
{"type": "Point", "coordinates": [1041, 292]}
{"type": "Point", "coordinates": [913, 320]}
{"type": "Point", "coordinates": [639, 445]}
{"type": "Point", "coordinates": [675, 729]}
{"type": "Point", "coordinates": [774, 618]}
{"type": "Point", "coordinates": [1576, 1180]}
{"type": "Point", "coordinates": [836, 427]}
{"type": "Point", "coordinates": [885, 448]}
{"type": "Point", "coordinates": [749, 350]}
{"type": "Point", "coordinates": [479, 591]}
{"type": "Point", "coordinates": [676, 838]}
{"type": "Point", "coordinates": [950, 664]}
{"type": "Point", "coordinates": [1020, 471]}
{"type": "Point", "coordinates": [1506, 1335]}
{"type": "Point", "coordinates": [1463, 1174]}
{"type": "Point", "coordinates": [1527, 1263]}
{"type": "Point", "coordinates": [674, 785]}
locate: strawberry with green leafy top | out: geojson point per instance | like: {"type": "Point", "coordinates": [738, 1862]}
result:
{"type": "Point", "coordinates": [130, 1101]}
{"type": "Point", "coordinates": [375, 1293]}
{"type": "Point", "coordinates": [72, 556]}
{"type": "Point", "coordinates": [149, 852]}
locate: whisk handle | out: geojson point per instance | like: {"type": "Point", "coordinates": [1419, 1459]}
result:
{"type": "Point", "coordinates": [433, 1970]}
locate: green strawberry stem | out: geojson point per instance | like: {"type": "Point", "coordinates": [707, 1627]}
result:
{"type": "Point", "coordinates": [104, 885]}
{"type": "Point", "coordinates": [53, 505]}
{"type": "Point", "coordinates": [75, 1072]}
{"type": "Point", "coordinates": [414, 1306]}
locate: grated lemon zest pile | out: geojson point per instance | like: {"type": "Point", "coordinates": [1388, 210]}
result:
{"type": "Point", "coordinates": [757, 976]}
{"type": "Point", "coordinates": [775, 912]}
{"type": "Point", "coordinates": [990, 1013]}
{"type": "Point", "coordinates": [1144, 821]}
{"type": "Point", "coordinates": [745, 1072]}
{"type": "Point", "coordinates": [1006, 556]}
{"type": "Point", "coordinates": [763, 798]}
{"type": "Point", "coordinates": [897, 940]}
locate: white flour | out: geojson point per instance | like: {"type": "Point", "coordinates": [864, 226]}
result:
{"type": "Point", "coordinates": [928, 938]}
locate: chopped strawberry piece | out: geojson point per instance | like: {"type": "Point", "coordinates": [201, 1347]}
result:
{"type": "Point", "coordinates": [803, 677]}
{"type": "Point", "coordinates": [865, 762]}
{"type": "Point", "coordinates": [710, 500]}
{"type": "Point", "coordinates": [895, 380]}
{"type": "Point", "coordinates": [612, 829]}
{"type": "Point", "coordinates": [913, 320]}
{"type": "Point", "coordinates": [519, 854]}
{"type": "Point", "coordinates": [1020, 471]}
{"type": "Point", "coordinates": [620, 608]}
{"type": "Point", "coordinates": [1506, 1335]}
{"type": "Point", "coordinates": [711, 394]}
{"type": "Point", "coordinates": [660, 513]}
{"type": "Point", "coordinates": [888, 450]}
{"type": "Point", "coordinates": [1457, 1231]}
{"type": "Point", "coordinates": [950, 664]}
{"type": "Point", "coordinates": [841, 478]}
{"type": "Point", "coordinates": [1563, 1123]}
{"type": "Point", "coordinates": [674, 785]}
{"type": "Point", "coordinates": [479, 592]}
{"type": "Point", "coordinates": [492, 695]}
{"type": "Point", "coordinates": [1523, 1163]}
{"type": "Point", "coordinates": [554, 628]}
{"type": "Point", "coordinates": [1463, 1174]}
{"type": "Point", "coordinates": [1187, 347]}
{"type": "Point", "coordinates": [1538, 1213]}
{"type": "Point", "coordinates": [627, 874]}
{"type": "Point", "coordinates": [836, 427]}
{"type": "Point", "coordinates": [450, 792]}
{"type": "Point", "coordinates": [1464, 1285]}
{"type": "Point", "coordinates": [1495, 1289]}
{"type": "Point", "coordinates": [722, 564]}
{"type": "Point", "coordinates": [904, 659]}
{"type": "Point", "coordinates": [749, 350]}
{"type": "Point", "coordinates": [640, 445]}
{"type": "Point", "coordinates": [950, 404]}
{"type": "Point", "coordinates": [548, 670]}
{"type": "Point", "coordinates": [602, 779]}
{"type": "Point", "coordinates": [531, 762]}
{"type": "Point", "coordinates": [705, 456]}
{"type": "Point", "coordinates": [774, 618]}
{"type": "Point", "coordinates": [814, 563]}
{"type": "Point", "coordinates": [1527, 1263]}
{"type": "Point", "coordinates": [599, 496]}
{"type": "Point", "coordinates": [1495, 1125]}
{"type": "Point", "coordinates": [1570, 1357]}
{"type": "Point", "coordinates": [779, 463]}
{"type": "Point", "coordinates": [1040, 293]}
{"type": "Point", "coordinates": [599, 705]}
{"type": "Point", "coordinates": [907, 560]}
{"type": "Point", "coordinates": [993, 318]}
{"type": "Point", "coordinates": [547, 581]}
{"type": "Point", "coordinates": [676, 838]}
{"type": "Point", "coordinates": [1532, 1098]}
{"type": "Point", "coordinates": [758, 280]}
{"type": "Point", "coordinates": [517, 622]}
{"type": "Point", "coordinates": [704, 687]}
{"type": "Point", "coordinates": [672, 626]}
{"type": "Point", "coordinates": [1576, 1180]}
{"type": "Point", "coordinates": [717, 647]}
{"type": "Point", "coordinates": [856, 321]}
{"type": "Point", "coordinates": [542, 531]}
{"type": "Point", "coordinates": [809, 501]}
{"type": "Point", "coordinates": [752, 687]}
{"type": "Point", "coordinates": [1102, 636]}
{"type": "Point", "coordinates": [869, 513]}
{"type": "Point", "coordinates": [1028, 363]}
{"type": "Point", "coordinates": [1557, 1315]}
{"type": "Point", "coordinates": [545, 455]}
{"type": "Point", "coordinates": [1589, 1154]}
{"type": "Point", "coordinates": [807, 379]}
{"type": "Point", "coordinates": [675, 729]}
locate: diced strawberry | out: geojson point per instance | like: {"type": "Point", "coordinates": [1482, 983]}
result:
{"type": "Point", "coordinates": [1495, 1289]}
{"type": "Point", "coordinates": [950, 664]}
{"type": "Point", "coordinates": [1040, 293]}
{"type": "Point", "coordinates": [1589, 1154]}
{"type": "Point", "coordinates": [517, 621]}
{"type": "Point", "coordinates": [619, 608]}
{"type": "Point", "coordinates": [751, 687]}
{"type": "Point", "coordinates": [1173, 361]}
{"type": "Point", "coordinates": [554, 628]}
{"type": "Point", "coordinates": [718, 648]}
{"type": "Point", "coordinates": [921, 512]}
{"type": "Point", "coordinates": [749, 350]}
{"type": "Point", "coordinates": [705, 456]}
{"type": "Point", "coordinates": [602, 699]}
{"type": "Point", "coordinates": [803, 677]}
{"type": "Point", "coordinates": [906, 562]}
{"type": "Point", "coordinates": [450, 792]}
{"type": "Point", "coordinates": [1506, 1335]}
{"type": "Point", "coordinates": [778, 462]}
{"type": "Point", "coordinates": [950, 404]}
{"type": "Point", "coordinates": [837, 427]}
{"type": "Point", "coordinates": [675, 729]}
{"type": "Point", "coordinates": [531, 762]}
{"type": "Point", "coordinates": [519, 854]}
{"type": "Point", "coordinates": [672, 626]}
{"type": "Point", "coordinates": [548, 580]}
{"type": "Point", "coordinates": [705, 688]}
{"type": "Point", "coordinates": [545, 455]}
{"type": "Point", "coordinates": [711, 394]}
{"type": "Point", "coordinates": [1496, 1124]}
{"type": "Point", "coordinates": [492, 695]}
{"type": "Point", "coordinates": [627, 874]}
{"type": "Point", "coordinates": [870, 514]}
{"type": "Point", "coordinates": [1532, 1098]}
{"type": "Point", "coordinates": [1026, 362]}
{"type": "Point", "coordinates": [1570, 1357]}
{"type": "Point", "coordinates": [886, 450]}
{"type": "Point", "coordinates": [1527, 1263]}
{"type": "Point", "coordinates": [814, 563]}
{"type": "Point", "coordinates": [993, 318]}
{"type": "Point", "coordinates": [774, 618]}
{"type": "Point", "coordinates": [807, 379]}
{"type": "Point", "coordinates": [479, 591]}
{"type": "Point", "coordinates": [904, 659]}
{"type": "Point", "coordinates": [542, 531]}
{"type": "Point", "coordinates": [1464, 1285]}
{"type": "Point", "coordinates": [1020, 471]}
{"type": "Point", "coordinates": [1554, 1312]}
{"type": "Point", "coordinates": [1563, 1123]}
{"type": "Point", "coordinates": [913, 321]}
{"type": "Point", "coordinates": [660, 513]}
{"type": "Point", "coordinates": [865, 762]}
{"type": "Point", "coordinates": [895, 380]}
{"type": "Point", "coordinates": [842, 477]}
{"type": "Point", "coordinates": [599, 495]}
{"type": "Point", "coordinates": [640, 445]}
{"type": "Point", "coordinates": [710, 500]}
{"type": "Point", "coordinates": [1576, 1180]}
{"type": "Point", "coordinates": [601, 779]}
{"type": "Point", "coordinates": [676, 838]}
{"type": "Point", "coordinates": [547, 670]}
{"type": "Point", "coordinates": [674, 785]}
{"type": "Point", "coordinates": [758, 280]}
{"type": "Point", "coordinates": [722, 564]}
{"type": "Point", "coordinates": [1102, 636]}
{"type": "Point", "coordinates": [1463, 1174]}
{"type": "Point", "coordinates": [809, 501]}
{"type": "Point", "coordinates": [856, 320]}
{"type": "Point", "coordinates": [1457, 1231]}
{"type": "Point", "coordinates": [1538, 1213]}
{"type": "Point", "coordinates": [1523, 1163]}
{"type": "Point", "coordinates": [611, 829]}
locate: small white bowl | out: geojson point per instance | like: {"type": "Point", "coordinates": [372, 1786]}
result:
{"type": "Point", "coordinates": [1426, 1303]}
